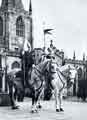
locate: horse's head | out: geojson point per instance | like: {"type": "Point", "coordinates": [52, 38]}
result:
{"type": "Point", "coordinates": [51, 67]}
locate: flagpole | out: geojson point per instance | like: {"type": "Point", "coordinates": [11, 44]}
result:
{"type": "Point", "coordinates": [44, 43]}
{"type": "Point", "coordinates": [44, 36]}
{"type": "Point", "coordinates": [46, 31]}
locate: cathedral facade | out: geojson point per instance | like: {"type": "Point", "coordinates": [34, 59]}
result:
{"type": "Point", "coordinates": [15, 28]}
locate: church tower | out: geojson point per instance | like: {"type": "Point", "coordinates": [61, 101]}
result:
{"type": "Point", "coordinates": [10, 4]}
{"type": "Point", "coordinates": [15, 24]}
{"type": "Point", "coordinates": [15, 28]}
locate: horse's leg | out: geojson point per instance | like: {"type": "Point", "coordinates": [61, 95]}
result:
{"type": "Point", "coordinates": [33, 102]}
{"type": "Point", "coordinates": [57, 95]}
{"type": "Point", "coordinates": [39, 98]}
{"type": "Point", "coordinates": [38, 103]}
{"type": "Point", "coordinates": [57, 99]}
{"type": "Point", "coordinates": [11, 94]}
{"type": "Point", "coordinates": [34, 109]}
{"type": "Point", "coordinates": [15, 94]}
{"type": "Point", "coordinates": [60, 98]}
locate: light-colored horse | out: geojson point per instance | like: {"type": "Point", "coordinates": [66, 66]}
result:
{"type": "Point", "coordinates": [57, 78]}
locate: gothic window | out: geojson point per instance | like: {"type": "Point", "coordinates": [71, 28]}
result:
{"type": "Point", "coordinates": [20, 27]}
{"type": "Point", "coordinates": [1, 27]}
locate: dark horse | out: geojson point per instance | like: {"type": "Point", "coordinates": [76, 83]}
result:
{"type": "Point", "coordinates": [18, 79]}
{"type": "Point", "coordinates": [15, 85]}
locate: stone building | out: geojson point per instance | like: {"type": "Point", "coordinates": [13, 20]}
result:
{"type": "Point", "coordinates": [80, 66]}
{"type": "Point", "coordinates": [15, 28]}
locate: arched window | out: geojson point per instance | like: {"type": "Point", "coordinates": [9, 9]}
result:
{"type": "Point", "coordinates": [20, 27]}
{"type": "Point", "coordinates": [1, 26]}
{"type": "Point", "coordinates": [15, 65]}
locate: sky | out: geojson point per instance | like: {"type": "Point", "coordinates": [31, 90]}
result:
{"type": "Point", "coordinates": [68, 18]}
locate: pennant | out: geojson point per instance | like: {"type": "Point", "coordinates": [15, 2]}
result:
{"type": "Point", "coordinates": [24, 45]}
{"type": "Point", "coordinates": [47, 31]}
{"type": "Point", "coordinates": [27, 46]}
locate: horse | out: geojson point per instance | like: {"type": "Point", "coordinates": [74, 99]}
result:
{"type": "Point", "coordinates": [55, 77]}
{"type": "Point", "coordinates": [59, 82]}
{"type": "Point", "coordinates": [15, 86]}
{"type": "Point", "coordinates": [17, 78]}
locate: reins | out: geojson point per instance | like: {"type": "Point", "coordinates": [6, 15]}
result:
{"type": "Point", "coordinates": [58, 74]}
{"type": "Point", "coordinates": [61, 78]}
{"type": "Point", "coordinates": [41, 74]}
{"type": "Point", "coordinates": [61, 73]}
{"type": "Point", "coordinates": [39, 70]}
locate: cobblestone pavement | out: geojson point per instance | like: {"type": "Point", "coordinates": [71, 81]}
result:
{"type": "Point", "coordinates": [73, 111]}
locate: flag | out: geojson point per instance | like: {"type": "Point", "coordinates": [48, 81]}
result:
{"type": "Point", "coordinates": [47, 31]}
{"type": "Point", "coordinates": [24, 45]}
{"type": "Point", "coordinates": [27, 46]}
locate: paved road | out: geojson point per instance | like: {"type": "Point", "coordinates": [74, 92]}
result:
{"type": "Point", "coordinates": [73, 111]}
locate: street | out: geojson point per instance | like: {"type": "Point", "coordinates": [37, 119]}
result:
{"type": "Point", "coordinates": [73, 111]}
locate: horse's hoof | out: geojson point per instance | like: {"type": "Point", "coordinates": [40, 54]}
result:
{"type": "Point", "coordinates": [15, 107]}
{"type": "Point", "coordinates": [34, 111]}
{"type": "Point", "coordinates": [57, 110]}
{"type": "Point", "coordinates": [39, 106]}
{"type": "Point", "coordinates": [61, 109]}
